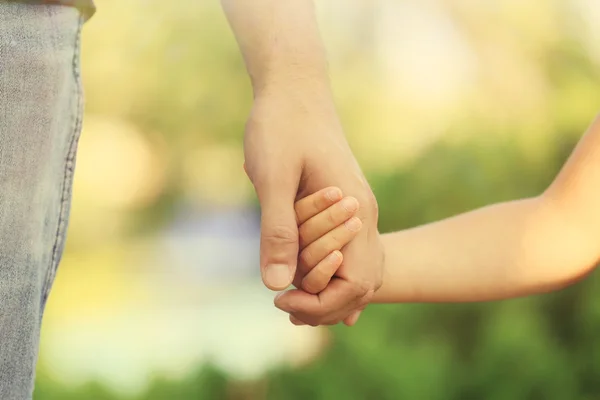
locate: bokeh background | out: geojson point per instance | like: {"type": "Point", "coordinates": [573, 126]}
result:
{"type": "Point", "coordinates": [448, 105]}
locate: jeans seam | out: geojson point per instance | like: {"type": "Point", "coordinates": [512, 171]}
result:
{"type": "Point", "coordinates": [69, 168]}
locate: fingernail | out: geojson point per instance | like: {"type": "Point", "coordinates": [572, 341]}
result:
{"type": "Point", "coordinates": [350, 204]}
{"type": "Point", "coordinates": [353, 224]}
{"type": "Point", "coordinates": [334, 257]}
{"type": "Point", "coordinates": [333, 194]}
{"type": "Point", "coordinates": [278, 275]}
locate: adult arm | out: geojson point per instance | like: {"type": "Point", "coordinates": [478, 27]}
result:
{"type": "Point", "coordinates": [294, 145]}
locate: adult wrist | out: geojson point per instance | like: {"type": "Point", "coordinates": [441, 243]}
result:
{"type": "Point", "coordinates": [293, 82]}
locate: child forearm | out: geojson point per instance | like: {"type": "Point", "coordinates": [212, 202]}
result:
{"type": "Point", "coordinates": [501, 251]}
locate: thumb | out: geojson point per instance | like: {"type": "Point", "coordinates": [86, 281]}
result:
{"type": "Point", "coordinates": [279, 233]}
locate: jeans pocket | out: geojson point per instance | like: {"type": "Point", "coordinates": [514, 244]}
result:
{"type": "Point", "coordinates": [68, 166]}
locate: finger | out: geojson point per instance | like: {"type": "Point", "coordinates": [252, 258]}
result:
{"type": "Point", "coordinates": [313, 322]}
{"type": "Point", "coordinates": [315, 203]}
{"type": "Point", "coordinates": [318, 278]}
{"type": "Point", "coordinates": [334, 240]}
{"type": "Point", "coordinates": [296, 301]}
{"type": "Point", "coordinates": [279, 230]}
{"type": "Point", "coordinates": [296, 321]}
{"type": "Point", "coordinates": [317, 251]}
{"type": "Point", "coordinates": [332, 305]}
{"type": "Point", "coordinates": [327, 220]}
{"type": "Point", "coordinates": [352, 319]}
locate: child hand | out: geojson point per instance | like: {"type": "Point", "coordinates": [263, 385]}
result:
{"type": "Point", "coordinates": [326, 223]}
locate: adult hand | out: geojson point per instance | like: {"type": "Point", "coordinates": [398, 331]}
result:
{"type": "Point", "coordinates": [294, 146]}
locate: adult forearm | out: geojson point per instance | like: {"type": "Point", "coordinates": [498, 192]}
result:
{"type": "Point", "coordinates": [280, 43]}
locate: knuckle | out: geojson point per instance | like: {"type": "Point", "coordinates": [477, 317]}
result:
{"type": "Point", "coordinates": [306, 258]}
{"type": "Point", "coordinates": [360, 288]}
{"type": "Point", "coordinates": [366, 299]}
{"type": "Point", "coordinates": [331, 220]}
{"type": "Point", "coordinates": [280, 234]}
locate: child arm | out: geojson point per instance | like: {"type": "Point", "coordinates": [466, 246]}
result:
{"type": "Point", "coordinates": [505, 250]}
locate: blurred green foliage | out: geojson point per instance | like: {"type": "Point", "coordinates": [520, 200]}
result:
{"type": "Point", "coordinates": [542, 347]}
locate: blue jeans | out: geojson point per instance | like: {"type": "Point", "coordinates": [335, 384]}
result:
{"type": "Point", "coordinates": [40, 120]}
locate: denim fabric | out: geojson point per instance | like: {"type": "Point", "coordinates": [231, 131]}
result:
{"type": "Point", "coordinates": [40, 120]}
{"type": "Point", "coordinates": [86, 7]}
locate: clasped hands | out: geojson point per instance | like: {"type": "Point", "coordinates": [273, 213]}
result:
{"type": "Point", "coordinates": [325, 244]}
